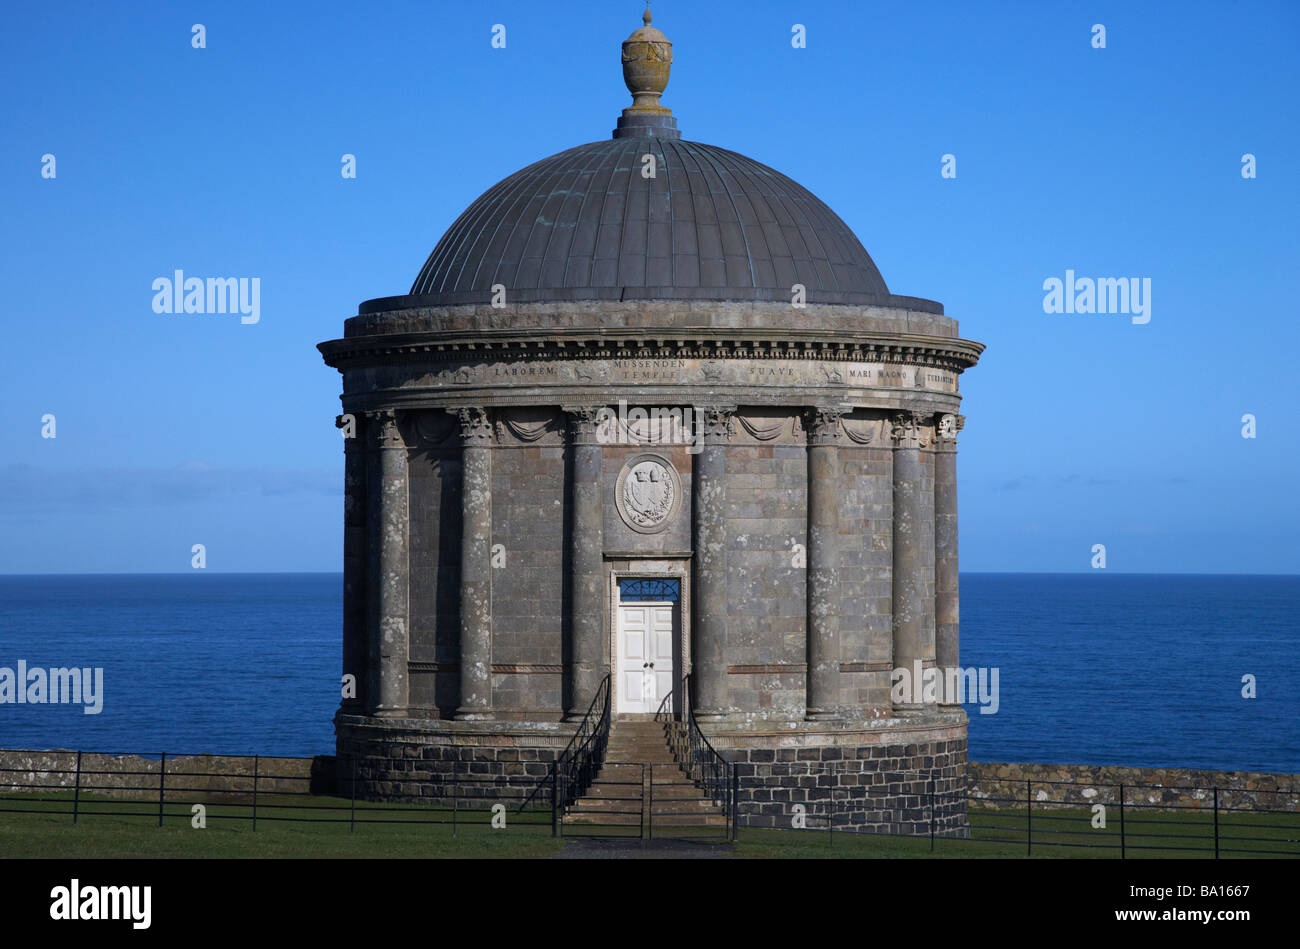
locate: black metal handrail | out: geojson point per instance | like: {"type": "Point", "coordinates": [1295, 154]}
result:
{"type": "Point", "coordinates": [576, 767]}
{"type": "Point", "coordinates": [701, 761]}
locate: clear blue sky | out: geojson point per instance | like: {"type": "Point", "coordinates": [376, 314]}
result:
{"type": "Point", "coordinates": [225, 162]}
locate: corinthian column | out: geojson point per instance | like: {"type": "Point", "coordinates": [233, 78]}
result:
{"type": "Point", "coordinates": [823, 593]}
{"type": "Point", "coordinates": [910, 561]}
{"type": "Point", "coordinates": [355, 544]}
{"type": "Point", "coordinates": [475, 564]}
{"type": "Point", "coordinates": [710, 593]}
{"type": "Point", "coordinates": [389, 643]}
{"type": "Point", "coordinates": [588, 660]}
{"type": "Point", "coordinates": [945, 542]}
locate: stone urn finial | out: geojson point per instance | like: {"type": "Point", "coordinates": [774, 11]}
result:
{"type": "Point", "coordinates": [647, 59]}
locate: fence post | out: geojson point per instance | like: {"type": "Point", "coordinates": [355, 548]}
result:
{"type": "Point", "coordinates": [735, 803]}
{"type": "Point", "coordinates": [453, 801]}
{"type": "Point", "coordinates": [76, 790]}
{"type": "Point", "coordinates": [162, 784]}
{"type": "Point", "coordinates": [830, 819]}
{"type": "Point", "coordinates": [648, 811]}
{"type": "Point", "coordinates": [352, 817]}
{"type": "Point", "coordinates": [1216, 823]}
{"type": "Point", "coordinates": [1029, 817]}
{"type": "Point", "coordinates": [1123, 852]}
{"type": "Point", "coordinates": [555, 800]}
{"type": "Point", "coordinates": [255, 760]}
{"type": "Point", "coordinates": [932, 813]}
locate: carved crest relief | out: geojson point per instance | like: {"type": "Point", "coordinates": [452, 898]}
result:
{"type": "Point", "coordinates": [647, 493]}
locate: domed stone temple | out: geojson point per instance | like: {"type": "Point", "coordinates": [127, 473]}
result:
{"type": "Point", "coordinates": [650, 432]}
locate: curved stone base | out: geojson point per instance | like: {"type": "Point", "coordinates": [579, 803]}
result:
{"type": "Point", "coordinates": [433, 761]}
{"type": "Point", "coordinates": [892, 775]}
{"type": "Point", "coordinates": [889, 775]}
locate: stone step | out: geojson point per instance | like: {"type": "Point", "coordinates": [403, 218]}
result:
{"type": "Point", "coordinates": [630, 831]}
{"type": "Point", "coordinates": [689, 820]}
{"type": "Point", "coordinates": [675, 805]}
{"type": "Point", "coordinates": [612, 792]}
{"type": "Point", "coordinates": [589, 815]}
{"type": "Point", "coordinates": [650, 742]}
{"type": "Point", "coordinates": [589, 810]}
{"type": "Point", "coordinates": [708, 826]}
{"type": "Point", "coordinates": [604, 820]}
{"type": "Point", "coordinates": [616, 789]}
{"type": "Point", "coordinates": [639, 774]}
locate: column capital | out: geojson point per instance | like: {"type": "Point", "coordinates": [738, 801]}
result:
{"type": "Point", "coordinates": [945, 431]}
{"type": "Point", "coordinates": [475, 425]}
{"type": "Point", "coordinates": [908, 429]}
{"type": "Point", "coordinates": [585, 422]}
{"type": "Point", "coordinates": [822, 423]}
{"type": "Point", "coordinates": [719, 423]}
{"type": "Point", "coordinates": [384, 428]}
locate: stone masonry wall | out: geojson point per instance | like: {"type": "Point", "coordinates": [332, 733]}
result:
{"type": "Point", "coordinates": [434, 476]}
{"type": "Point", "coordinates": [394, 762]}
{"type": "Point", "coordinates": [1161, 788]}
{"type": "Point", "coordinates": [883, 788]}
{"type": "Point", "coordinates": [530, 513]}
{"type": "Point", "coordinates": [766, 514]}
{"type": "Point", "coordinates": [190, 777]}
{"type": "Point", "coordinates": [866, 576]}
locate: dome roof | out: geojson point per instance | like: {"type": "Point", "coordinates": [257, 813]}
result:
{"type": "Point", "coordinates": [592, 223]}
{"type": "Point", "coordinates": [647, 216]}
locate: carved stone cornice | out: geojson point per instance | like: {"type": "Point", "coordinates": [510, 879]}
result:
{"type": "Point", "coordinates": [713, 343]}
{"type": "Point", "coordinates": [719, 423]}
{"type": "Point", "coordinates": [475, 426]}
{"type": "Point", "coordinates": [823, 425]}
{"type": "Point", "coordinates": [908, 429]}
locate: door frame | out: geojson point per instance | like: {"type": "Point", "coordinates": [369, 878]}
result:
{"type": "Point", "coordinates": [676, 569]}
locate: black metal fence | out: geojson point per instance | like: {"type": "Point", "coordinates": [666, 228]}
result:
{"type": "Point", "coordinates": [578, 764]}
{"type": "Point", "coordinates": [1124, 820]}
{"type": "Point", "coordinates": [1137, 820]}
{"type": "Point", "coordinates": [169, 794]}
{"type": "Point", "coordinates": [708, 770]}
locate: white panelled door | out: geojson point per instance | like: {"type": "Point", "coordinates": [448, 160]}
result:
{"type": "Point", "coordinates": [645, 655]}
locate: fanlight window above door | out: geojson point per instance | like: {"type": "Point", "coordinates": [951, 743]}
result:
{"type": "Point", "coordinates": [638, 590]}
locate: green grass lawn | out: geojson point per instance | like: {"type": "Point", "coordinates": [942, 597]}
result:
{"type": "Point", "coordinates": [318, 826]}
{"type": "Point", "coordinates": [1057, 833]}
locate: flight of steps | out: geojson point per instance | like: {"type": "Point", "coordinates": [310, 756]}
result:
{"type": "Point", "coordinates": [618, 802]}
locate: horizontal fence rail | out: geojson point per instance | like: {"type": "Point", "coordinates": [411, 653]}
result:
{"type": "Point", "coordinates": [165, 790]}
{"type": "Point", "coordinates": [1127, 820]}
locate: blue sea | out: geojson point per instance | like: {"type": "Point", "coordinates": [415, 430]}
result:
{"type": "Point", "coordinates": [1092, 668]}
